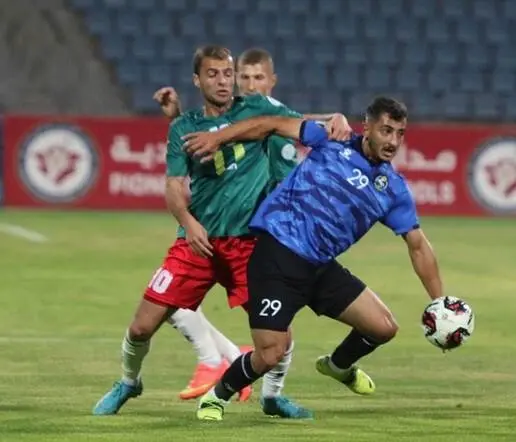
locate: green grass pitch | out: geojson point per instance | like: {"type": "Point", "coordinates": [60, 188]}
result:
{"type": "Point", "coordinates": [65, 303]}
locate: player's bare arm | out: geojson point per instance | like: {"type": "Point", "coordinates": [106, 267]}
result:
{"type": "Point", "coordinates": [205, 144]}
{"type": "Point", "coordinates": [177, 203]}
{"type": "Point", "coordinates": [424, 262]}
{"type": "Point", "coordinates": [169, 101]}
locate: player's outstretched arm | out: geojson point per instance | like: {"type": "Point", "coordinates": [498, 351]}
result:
{"type": "Point", "coordinates": [337, 125]}
{"type": "Point", "coordinates": [168, 99]}
{"type": "Point", "coordinates": [424, 262]}
{"type": "Point", "coordinates": [205, 144]}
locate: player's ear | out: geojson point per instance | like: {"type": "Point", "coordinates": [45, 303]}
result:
{"type": "Point", "coordinates": [196, 81]}
{"type": "Point", "coordinates": [366, 128]}
{"type": "Point", "coordinates": [274, 80]}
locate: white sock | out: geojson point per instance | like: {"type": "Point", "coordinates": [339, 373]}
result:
{"type": "Point", "coordinates": [274, 380]}
{"type": "Point", "coordinates": [225, 347]}
{"type": "Point", "coordinates": [191, 324]}
{"type": "Point", "coordinates": [133, 353]}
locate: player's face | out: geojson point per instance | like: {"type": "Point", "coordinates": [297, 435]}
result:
{"type": "Point", "coordinates": [385, 136]}
{"type": "Point", "coordinates": [255, 79]}
{"type": "Point", "coordinates": [216, 80]}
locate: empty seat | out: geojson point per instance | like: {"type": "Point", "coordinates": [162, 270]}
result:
{"type": "Point", "coordinates": [323, 54]}
{"type": "Point", "coordinates": [509, 9]}
{"type": "Point", "coordinates": [355, 54]}
{"type": "Point", "coordinates": [315, 28]}
{"type": "Point", "coordinates": [330, 101]}
{"type": "Point", "coordinates": [314, 76]}
{"type": "Point", "coordinates": [299, 6]}
{"type": "Point", "coordinates": [130, 72]}
{"type": "Point", "coordinates": [385, 55]}
{"type": "Point", "coordinates": [440, 80]}
{"type": "Point", "coordinates": [502, 81]}
{"type": "Point", "coordinates": [360, 8]}
{"type": "Point", "coordinates": [408, 78]}
{"type": "Point", "coordinates": [142, 99]}
{"type": "Point", "coordinates": [267, 6]}
{"type": "Point", "coordinates": [378, 78]}
{"type": "Point", "coordinates": [424, 106]}
{"type": "Point", "coordinates": [159, 23]}
{"type": "Point", "coordinates": [358, 103]}
{"type": "Point", "coordinates": [486, 106]}
{"type": "Point", "coordinates": [114, 47]}
{"type": "Point", "coordinates": [456, 106]}
{"type": "Point", "coordinates": [497, 32]}
{"type": "Point", "coordinates": [347, 78]}
{"type": "Point", "coordinates": [421, 8]}
{"type": "Point", "coordinates": [225, 25]}
{"type": "Point", "coordinates": [478, 56]}
{"type": "Point", "coordinates": [407, 30]}
{"type": "Point", "coordinates": [143, 6]}
{"type": "Point", "coordinates": [376, 29]}
{"type": "Point", "coordinates": [175, 51]}
{"type": "Point", "coordinates": [446, 55]}
{"type": "Point", "coordinates": [180, 5]}
{"type": "Point", "coordinates": [345, 28]}
{"type": "Point", "coordinates": [193, 25]}
{"type": "Point", "coordinates": [471, 81]}
{"type": "Point", "coordinates": [331, 8]}
{"type": "Point", "coordinates": [437, 31]}
{"type": "Point", "coordinates": [256, 25]}
{"type": "Point", "coordinates": [129, 23]}
{"type": "Point", "coordinates": [285, 28]}
{"type": "Point", "coordinates": [452, 9]}
{"type": "Point", "coordinates": [201, 6]}
{"type": "Point", "coordinates": [160, 73]}
{"type": "Point", "coordinates": [468, 32]}
{"type": "Point", "coordinates": [114, 4]}
{"type": "Point", "coordinates": [391, 8]}
{"type": "Point", "coordinates": [505, 56]}
{"type": "Point", "coordinates": [486, 10]}
{"type": "Point", "coordinates": [144, 48]}
{"type": "Point", "coordinates": [416, 54]}
{"type": "Point", "coordinates": [508, 109]}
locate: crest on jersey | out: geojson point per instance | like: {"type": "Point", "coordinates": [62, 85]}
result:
{"type": "Point", "coordinates": [381, 182]}
{"type": "Point", "coordinates": [346, 153]}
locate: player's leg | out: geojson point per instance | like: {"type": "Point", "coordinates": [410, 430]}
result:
{"type": "Point", "coordinates": [276, 292]}
{"type": "Point", "coordinates": [181, 282]}
{"type": "Point", "coordinates": [210, 363]}
{"type": "Point", "coordinates": [344, 297]}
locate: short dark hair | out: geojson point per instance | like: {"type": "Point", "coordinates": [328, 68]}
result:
{"type": "Point", "coordinates": [395, 109]}
{"type": "Point", "coordinates": [255, 56]}
{"type": "Point", "coordinates": [210, 51]}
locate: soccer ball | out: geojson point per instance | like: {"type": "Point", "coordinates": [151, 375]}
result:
{"type": "Point", "coordinates": [448, 322]}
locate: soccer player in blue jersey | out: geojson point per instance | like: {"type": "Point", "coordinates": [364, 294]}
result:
{"type": "Point", "coordinates": [326, 205]}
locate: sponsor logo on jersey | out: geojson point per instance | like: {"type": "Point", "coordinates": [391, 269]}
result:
{"type": "Point", "coordinates": [58, 163]}
{"type": "Point", "coordinates": [492, 175]}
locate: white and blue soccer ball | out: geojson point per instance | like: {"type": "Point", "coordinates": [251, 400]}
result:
{"type": "Point", "coordinates": [448, 322]}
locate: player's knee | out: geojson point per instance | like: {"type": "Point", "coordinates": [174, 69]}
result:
{"type": "Point", "coordinates": [386, 329]}
{"type": "Point", "coordinates": [140, 332]}
{"type": "Point", "coordinates": [271, 354]}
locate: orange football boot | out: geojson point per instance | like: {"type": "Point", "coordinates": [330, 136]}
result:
{"type": "Point", "coordinates": [202, 380]}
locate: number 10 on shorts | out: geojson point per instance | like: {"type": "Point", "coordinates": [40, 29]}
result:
{"type": "Point", "coordinates": [160, 281]}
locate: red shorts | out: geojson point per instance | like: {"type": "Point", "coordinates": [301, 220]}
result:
{"type": "Point", "coordinates": [184, 278]}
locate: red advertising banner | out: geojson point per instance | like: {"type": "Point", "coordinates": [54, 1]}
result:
{"type": "Point", "coordinates": [119, 163]}
{"type": "Point", "coordinates": [94, 163]}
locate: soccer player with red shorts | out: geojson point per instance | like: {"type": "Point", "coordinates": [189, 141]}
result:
{"type": "Point", "coordinates": [254, 75]}
{"type": "Point", "coordinates": [213, 242]}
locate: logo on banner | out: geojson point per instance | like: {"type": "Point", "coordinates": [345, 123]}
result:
{"type": "Point", "coordinates": [492, 175]}
{"type": "Point", "coordinates": [58, 163]}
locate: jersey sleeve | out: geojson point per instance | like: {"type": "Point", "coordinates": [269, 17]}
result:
{"type": "Point", "coordinates": [177, 159]}
{"type": "Point", "coordinates": [402, 218]}
{"type": "Point", "coordinates": [313, 135]}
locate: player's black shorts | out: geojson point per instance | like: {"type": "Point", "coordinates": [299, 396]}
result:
{"type": "Point", "coordinates": [281, 283]}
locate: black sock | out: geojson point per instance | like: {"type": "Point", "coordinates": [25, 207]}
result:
{"type": "Point", "coordinates": [239, 375]}
{"type": "Point", "coordinates": [352, 349]}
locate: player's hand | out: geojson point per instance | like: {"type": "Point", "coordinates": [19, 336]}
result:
{"type": "Point", "coordinates": [338, 128]}
{"type": "Point", "coordinates": [201, 144]}
{"type": "Point", "coordinates": [197, 239]}
{"type": "Point", "coordinates": [169, 101]}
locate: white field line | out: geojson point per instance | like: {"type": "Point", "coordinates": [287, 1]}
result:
{"type": "Point", "coordinates": [55, 340]}
{"type": "Point", "coordinates": [21, 232]}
